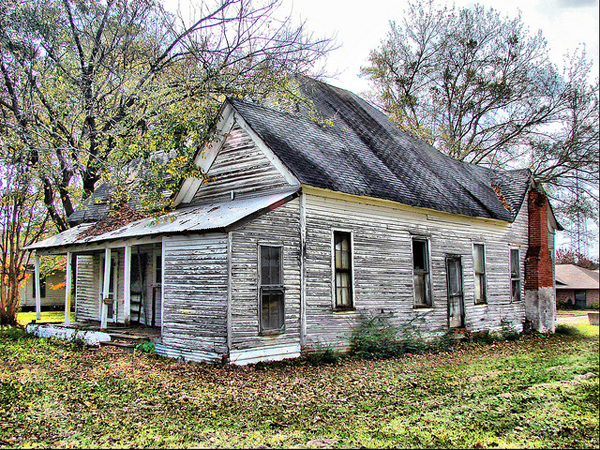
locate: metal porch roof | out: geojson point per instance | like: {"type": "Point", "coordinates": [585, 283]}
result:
{"type": "Point", "coordinates": [212, 216]}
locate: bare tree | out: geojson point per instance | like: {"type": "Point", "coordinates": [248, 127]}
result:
{"type": "Point", "coordinates": [89, 86]}
{"type": "Point", "coordinates": [481, 87]}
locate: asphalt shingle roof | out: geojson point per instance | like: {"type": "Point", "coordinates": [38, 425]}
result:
{"type": "Point", "coordinates": [364, 153]}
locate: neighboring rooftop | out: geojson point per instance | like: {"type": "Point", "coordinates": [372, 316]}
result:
{"type": "Point", "coordinates": [570, 276]}
{"type": "Point", "coordinates": [358, 150]}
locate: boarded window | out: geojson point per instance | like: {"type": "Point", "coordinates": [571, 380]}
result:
{"type": "Point", "coordinates": [343, 270]}
{"type": "Point", "coordinates": [272, 306]}
{"type": "Point", "coordinates": [422, 279]}
{"type": "Point", "coordinates": [479, 267]}
{"type": "Point", "coordinates": [515, 275]}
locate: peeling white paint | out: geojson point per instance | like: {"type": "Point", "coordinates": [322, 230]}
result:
{"type": "Point", "coordinates": [52, 331]}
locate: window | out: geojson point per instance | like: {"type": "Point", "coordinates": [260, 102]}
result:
{"type": "Point", "coordinates": [421, 276]}
{"type": "Point", "coordinates": [515, 275]}
{"type": "Point", "coordinates": [271, 289]}
{"type": "Point", "coordinates": [343, 269]}
{"type": "Point", "coordinates": [479, 268]}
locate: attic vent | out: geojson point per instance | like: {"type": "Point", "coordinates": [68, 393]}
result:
{"type": "Point", "coordinates": [501, 197]}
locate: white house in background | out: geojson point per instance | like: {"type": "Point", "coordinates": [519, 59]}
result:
{"type": "Point", "coordinates": [310, 225]}
{"type": "Point", "coordinates": [52, 290]}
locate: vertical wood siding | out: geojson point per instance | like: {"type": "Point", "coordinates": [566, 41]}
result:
{"type": "Point", "coordinates": [382, 253]}
{"type": "Point", "coordinates": [195, 291]}
{"type": "Point", "coordinates": [280, 227]}
{"type": "Point", "coordinates": [240, 166]}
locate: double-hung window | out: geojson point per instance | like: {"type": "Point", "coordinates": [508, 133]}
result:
{"type": "Point", "coordinates": [515, 275]}
{"type": "Point", "coordinates": [421, 275]}
{"type": "Point", "coordinates": [343, 269]}
{"type": "Point", "coordinates": [479, 268]}
{"type": "Point", "coordinates": [272, 307]}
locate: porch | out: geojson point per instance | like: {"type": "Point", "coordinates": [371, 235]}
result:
{"type": "Point", "coordinates": [112, 285]}
{"type": "Point", "coordinates": [127, 337]}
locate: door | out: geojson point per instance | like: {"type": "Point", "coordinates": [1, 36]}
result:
{"type": "Point", "coordinates": [456, 306]}
{"type": "Point", "coordinates": [580, 302]}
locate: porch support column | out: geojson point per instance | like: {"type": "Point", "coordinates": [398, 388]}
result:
{"type": "Point", "coordinates": [38, 293]}
{"type": "Point", "coordinates": [127, 285]}
{"type": "Point", "coordinates": [68, 286]}
{"type": "Point", "coordinates": [105, 289]}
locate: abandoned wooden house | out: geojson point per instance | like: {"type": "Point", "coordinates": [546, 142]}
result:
{"type": "Point", "coordinates": [307, 227]}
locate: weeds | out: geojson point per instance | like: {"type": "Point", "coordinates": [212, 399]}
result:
{"type": "Point", "coordinates": [320, 353]}
{"type": "Point", "coordinates": [145, 347]}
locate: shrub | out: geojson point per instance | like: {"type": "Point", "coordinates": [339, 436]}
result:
{"type": "Point", "coordinates": [509, 332]}
{"type": "Point", "coordinates": [596, 305]}
{"type": "Point", "coordinates": [375, 337]}
{"type": "Point", "coordinates": [319, 353]}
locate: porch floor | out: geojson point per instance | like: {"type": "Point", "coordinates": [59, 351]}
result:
{"type": "Point", "coordinates": [118, 332]}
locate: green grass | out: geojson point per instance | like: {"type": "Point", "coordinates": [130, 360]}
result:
{"type": "Point", "coordinates": [23, 318]}
{"type": "Point", "coordinates": [574, 312]}
{"type": "Point", "coordinates": [529, 393]}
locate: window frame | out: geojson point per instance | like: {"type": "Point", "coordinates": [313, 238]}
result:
{"type": "Point", "coordinates": [483, 274]}
{"type": "Point", "coordinates": [427, 271]}
{"type": "Point", "coordinates": [270, 288]}
{"type": "Point", "coordinates": [350, 271]}
{"type": "Point", "coordinates": [516, 278]}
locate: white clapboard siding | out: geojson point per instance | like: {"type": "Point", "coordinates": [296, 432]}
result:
{"type": "Point", "coordinates": [195, 292]}
{"type": "Point", "coordinates": [382, 260]}
{"type": "Point", "coordinates": [55, 296]}
{"type": "Point", "coordinates": [240, 166]}
{"type": "Point", "coordinates": [280, 227]}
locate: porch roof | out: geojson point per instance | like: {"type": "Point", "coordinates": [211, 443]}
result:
{"type": "Point", "coordinates": [211, 216]}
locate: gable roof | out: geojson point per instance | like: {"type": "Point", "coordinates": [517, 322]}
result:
{"type": "Point", "coordinates": [364, 153]}
{"type": "Point", "coordinates": [570, 276]}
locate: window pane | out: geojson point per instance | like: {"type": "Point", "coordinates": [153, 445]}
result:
{"type": "Point", "coordinates": [479, 258]}
{"type": "Point", "coordinates": [479, 287]}
{"type": "Point", "coordinates": [420, 296]}
{"type": "Point", "coordinates": [516, 290]}
{"type": "Point", "coordinates": [343, 266]}
{"type": "Point", "coordinates": [419, 255]}
{"type": "Point", "coordinates": [514, 262]}
{"type": "Point", "coordinates": [270, 262]}
{"type": "Point", "coordinates": [272, 311]}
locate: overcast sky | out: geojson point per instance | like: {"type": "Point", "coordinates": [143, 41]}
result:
{"type": "Point", "coordinates": [360, 28]}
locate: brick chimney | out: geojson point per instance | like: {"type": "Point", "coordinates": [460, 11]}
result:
{"type": "Point", "coordinates": [540, 296]}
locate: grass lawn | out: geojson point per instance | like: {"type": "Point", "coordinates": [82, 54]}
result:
{"type": "Point", "coordinates": [574, 312]}
{"type": "Point", "coordinates": [531, 393]}
{"type": "Point", "coordinates": [23, 318]}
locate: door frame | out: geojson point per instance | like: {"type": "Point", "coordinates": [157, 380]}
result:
{"type": "Point", "coordinates": [461, 295]}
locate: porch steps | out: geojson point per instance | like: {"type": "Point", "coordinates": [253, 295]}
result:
{"type": "Point", "coordinates": [126, 342]}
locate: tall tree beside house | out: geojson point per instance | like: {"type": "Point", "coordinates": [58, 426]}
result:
{"type": "Point", "coordinates": [482, 88]}
{"type": "Point", "coordinates": [21, 223]}
{"type": "Point", "coordinates": [90, 87]}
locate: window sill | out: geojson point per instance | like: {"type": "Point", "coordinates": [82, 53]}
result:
{"type": "Point", "coordinates": [481, 303]}
{"type": "Point", "coordinates": [422, 306]}
{"type": "Point", "coordinates": [271, 332]}
{"type": "Point", "coordinates": [350, 309]}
